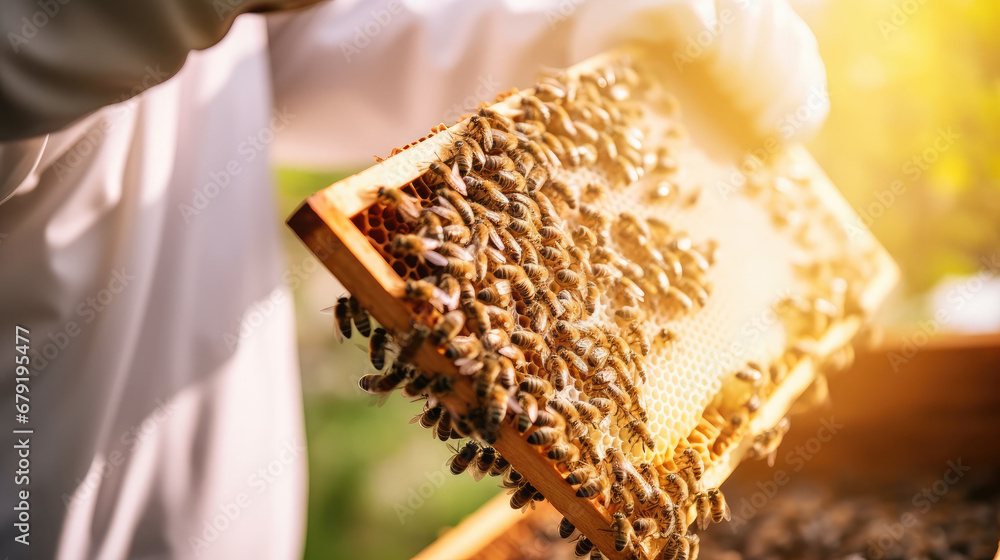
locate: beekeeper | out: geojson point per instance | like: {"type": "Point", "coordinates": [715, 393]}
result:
{"type": "Point", "coordinates": [139, 242]}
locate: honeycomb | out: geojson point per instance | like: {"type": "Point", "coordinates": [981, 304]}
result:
{"type": "Point", "coordinates": [742, 283]}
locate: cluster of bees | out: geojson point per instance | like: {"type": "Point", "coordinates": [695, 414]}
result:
{"type": "Point", "coordinates": [541, 297]}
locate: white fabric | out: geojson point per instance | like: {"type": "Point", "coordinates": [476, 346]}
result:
{"type": "Point", "coordinates": [140, 244]}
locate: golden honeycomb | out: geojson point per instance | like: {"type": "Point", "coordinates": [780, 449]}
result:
{"type": "Point", "coordinates": [764, 270]}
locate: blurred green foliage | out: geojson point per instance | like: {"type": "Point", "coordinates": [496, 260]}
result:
{"type": "Point", "coordinates": [900, 72]}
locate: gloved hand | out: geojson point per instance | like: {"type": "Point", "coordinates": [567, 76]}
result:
{"type": "Point", "coordinates": [363, 77]}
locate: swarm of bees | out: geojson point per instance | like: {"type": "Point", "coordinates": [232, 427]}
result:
{"type": "Point", "coordinates": [518, 273]}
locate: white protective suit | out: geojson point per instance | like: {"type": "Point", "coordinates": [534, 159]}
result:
{"type": "Point", "coordinates": [139, 239]}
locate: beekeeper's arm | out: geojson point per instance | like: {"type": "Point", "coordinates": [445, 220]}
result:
{"type": "Point", "coordinates": [360, 77]}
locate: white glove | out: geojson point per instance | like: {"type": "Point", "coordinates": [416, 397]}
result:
{"type": "Point", "coordinates": [363, 77]}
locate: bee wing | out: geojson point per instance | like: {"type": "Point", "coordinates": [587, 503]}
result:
{"type": "Point", "coordinates": [495, 255]}
{"type": "Point", "coordinates": [704, 517]}
{"type": "Point", "coordinates": [436, 259]}
{"type": "Point", "coordinates": [502, 287]}
{"type": "Point", "coordinates": [454, 179]}
{"type": "Point", "coordinates": [475, 471]}
{"type": "Point", "coordinates": [726, 513]}
{"type": "Point", "coordinates": [460, 252]}
{"type": "Point", "coordinates": [327, 310]}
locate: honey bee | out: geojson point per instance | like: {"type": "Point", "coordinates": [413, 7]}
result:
{"type": "Point", "coordinates": [583, 546]}
{"type": "Point", "coordinates": [563, 452]}
{"type": "Point", "coordinates": [463, 348]}
{"type": "Point", "coordinates": [430, 416]}
{"type": "Point", "coordinates": [558, 372]}
{"type": "Point", "coordinates": [509, 180]}
{"type": "Point", "coordinates": [691, 459]}
{"type": "Point", "coordinates": [766, 443]}
{"type": "Point", "coordinates": [633, 225]}
{"type": "Point", "coordinates": [480, 130]}
{"type": "Point", "coordinates": [564, 192]}
{"type": "Point", "coordinates": [527, 340]}
{"type": "Point", "coordinates": [442, 430]}
{"type": "Point", "coordinates": [681, 298]}
{"type": "Point", "coordinates": [591, 488]}
{"type": "Point", "coordinates": [500, 466]}
{"type": "Point", "coordinates": [566, 528]}
{"type": "Point", "coordinates": [496, 409]}
{"type": "Point", "coordinates": [552, 301]}
{"type": "Point", "coordinates": [695, 292]}
{"type": "Point", "coordinates": [567, 278]}
{"type": "Point", "coordinates": [644, 527]}
{"type": "Point", "coordinates": [424, 291]}
{"type": "Point", "coordinates": [528, 404]}
{"type": "Point", "coordinates": [573, 307]}
{"type": "Point", "coordinates": [410, 244]}
{"type": "Point", "coordinates": [524, 162]}
{"type": "Point", "coordinates": [523, 496]}
{"type": "Point", "coordinates": [488, 193]}
{"type": "Point", "coordinates": [498, 294]}
{"type": "Point", "coordinates": [407, 206]}
{"type": "Point", "coordinates": [588, 412]}
{"type": "Point", "coordinates": [536, 386]}
{"type": "Point", "coordinates": [593, 295]}
{"type": "Point", "coordinates": [499, 162]}
{"type": "Point", "coordinates": [750, 374]}
{"type": "Point", "coordinates": [448, 327]}
{"type": "Point", "coordinates": [486, 378]}
{"type": "Point", "coordinates": [463, 156]}
{"type": "Point", "coordinates": [675, 547]}
{"type": "Point", "coordinates": [622, 532]}
{"type": "Point", "coordinates": [417, 385]}
{"type": "Point", "coordinates": [429, 225]}
{"type": "Point", "coordinates": [376, 348]}
{"type": "Point", "coordinates": [457, 202]}
{"type": "Point", "coordinates": [448, 176]}
{"type": "Point", "coordinates": [488, 457]}
{"type": "Point", "coordinates": [543, 436]}
{"type": "Point", "coordinates": [539, 317]}
{"type": "Point", "coordinates": [720, 509]}
{"type": "Point", "coordinates": [561, 119]}
{"type": "Point", "coordinates": [518, 279]}
{"type": "Point", "coordinates": [622, 498]}
{"type": "Point", "coordinates": [703, 510]}
{"type": "Point", "coordinates": [676, 487]}
{"type": "Point", "coordinates": [619, 466]}
{"type": "Point", "coordinates": [694, 543]}
{"type": "Point", "coordinates": [577, 366]}
{"type": "Point", "coordinates": [360, 316]}
{"type": "Point", "coordinates": [579, 476]}
{"type": "Point", "coordinates": [627, 317]}
{"type": "Point", "coordinates": [462, 459]}
{"type": "Point", "coordinates": [343, 318]}
{"type": "Point", "coordinates": [536, 178]}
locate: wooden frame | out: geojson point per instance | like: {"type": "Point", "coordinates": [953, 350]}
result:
{"type": "Point", "coordinates": [323, 222]}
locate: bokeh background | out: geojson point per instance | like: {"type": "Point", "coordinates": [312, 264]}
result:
{"type": "Point", "coordinates": [904, 75]}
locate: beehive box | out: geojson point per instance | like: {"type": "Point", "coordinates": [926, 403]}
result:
{"type": "Point", "coordinates": [885, 436]}
{"type": "Point", "coordinates": [731, 284]}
